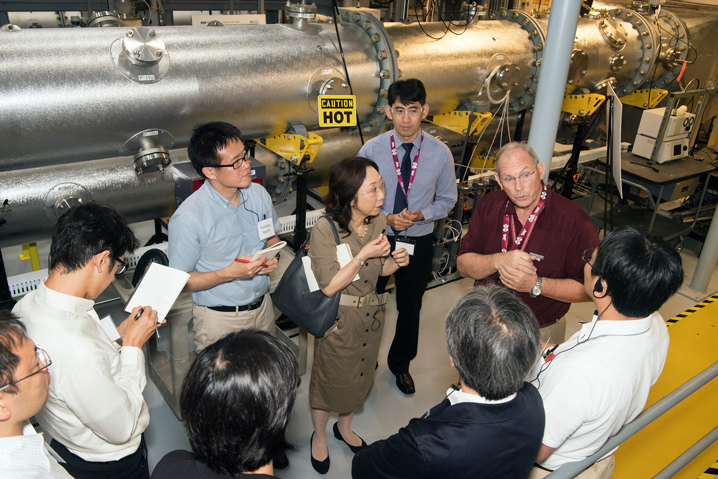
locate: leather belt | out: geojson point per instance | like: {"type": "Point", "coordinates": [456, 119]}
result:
{"type": "Point", "coordinates": [235, 309]}
{"type": "Point", "coordinates": [372, 299]}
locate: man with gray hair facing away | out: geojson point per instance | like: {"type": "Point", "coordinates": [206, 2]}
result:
{"type": "Point", "coordinates": [492, 426]}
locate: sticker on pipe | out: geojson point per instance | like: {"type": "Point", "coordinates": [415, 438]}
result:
{"type": "Point", "coordinates": [337, 110]}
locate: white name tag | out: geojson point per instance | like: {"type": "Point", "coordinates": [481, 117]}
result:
{"type": "Point", "coordinates": [108, 326]}
{"type": "Point", "coordinates": [408, 244]}
{"type": "Point", "coordinates": [265, 228]}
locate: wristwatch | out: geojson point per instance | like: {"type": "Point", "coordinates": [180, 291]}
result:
{"type": "Point", "coordinates": [536, 290]}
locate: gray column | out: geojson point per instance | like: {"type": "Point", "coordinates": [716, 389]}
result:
{"type": "Point", "coordinates": [707, 260]}
{"type": "Point", "coordinates": [561, 28]}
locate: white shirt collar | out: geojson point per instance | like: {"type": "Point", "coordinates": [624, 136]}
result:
{"type": "Point", "coordinates": [457, 397]}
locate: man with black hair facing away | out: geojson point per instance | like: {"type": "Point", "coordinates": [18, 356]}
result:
{"type": "Point", "coordinates": [24, 380]}
{"type": "Point", "coordinates": [420, 189]}
{"type": "Point", "coordinates": [598, 380]}
{"type": "Point", "coordinates": [215, 232]}
{"type": "Point", "coordinates": [492, 426]}
{"type": "Point", "coordinates": [235, 403]}
{"type": "Point", "coordinates": [95, 413]}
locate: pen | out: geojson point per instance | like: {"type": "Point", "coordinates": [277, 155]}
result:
{"type": "Point", "coordinates": [139, 313]}
{"type": "Point", "coordinates": [239, 260]}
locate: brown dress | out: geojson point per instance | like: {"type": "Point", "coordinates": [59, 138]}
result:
{"type": "Point", "coordinates": [345, 359]}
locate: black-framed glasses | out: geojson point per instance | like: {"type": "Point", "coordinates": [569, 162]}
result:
{"type": "Point", "coordinates": [45, 363]}
{"type": "Point", "coordinates": [121, 267]}
{"type": "Point", "coordinates": [587, 256]}
{"type": "Point", "coordinates": [237, 164]}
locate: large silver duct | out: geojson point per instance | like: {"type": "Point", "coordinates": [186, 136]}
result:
{"type": "Point", "coordinates": [98, 112]}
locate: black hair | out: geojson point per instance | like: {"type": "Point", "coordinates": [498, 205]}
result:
{"type": "Point", "coordinates": [87, 230]}
{"type": "Point", "coordinates": [407, 92]}
{"type": "Point", "coordinates": [494, 340]}
{"type": "Point", "coordinates": [345, 179]}
{"type": "Point", "coordinates": [12, 334]}
{"type": "Point", "coordinates": [641, 272]}
{"type": "Point", "coordinates": [236, 401]}
{"type": "Point", "coordinates": [207, 140]}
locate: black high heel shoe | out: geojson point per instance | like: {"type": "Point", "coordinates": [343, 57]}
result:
{"type": "Point", "coordinates": [338, 435]}
{"type": "Point", "coordinates": [320, 466]}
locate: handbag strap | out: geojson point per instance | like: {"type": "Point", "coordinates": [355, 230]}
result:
{"type": "Point", "coordinates": [334, 229]}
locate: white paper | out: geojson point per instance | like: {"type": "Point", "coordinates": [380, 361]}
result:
{"type": "Point", "coordinates": [269, 252]}
{"type": "Point", "coordinates": [344, 256]}
{"type": "Point", "coordinates": [159, 289]}
{"type": "Point", "coordinates": [108, 326]}
{"type": "Point", "coordinates": [311, 279]}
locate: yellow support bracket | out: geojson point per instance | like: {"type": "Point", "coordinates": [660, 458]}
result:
{"type": "Point", "coordinates": [29, 252]}
{"type": "Point", "coordinates": [582, 105]}
{"type": "Point", "coordinates": [293, 147]}
{"type": "Point", "coordinates": [458, 121]}
{"type": "Point", "coordinates": [645, 98]}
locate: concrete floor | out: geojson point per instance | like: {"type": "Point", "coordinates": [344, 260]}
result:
{"type": "Point", "coordinates": [386, 409]}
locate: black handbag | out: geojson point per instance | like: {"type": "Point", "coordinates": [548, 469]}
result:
{"type": "Point", "coordinates": [313, 311]}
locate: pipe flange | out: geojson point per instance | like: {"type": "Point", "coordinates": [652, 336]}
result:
{"type": "Point", "coordinates": [674, 50]}
{"type": "Point", "coordinates": [300, 13]}
{"type": "Point", "coordinates": [325, 81]}
{"type": "Point", "coordinates": [151, 160]}
{"type": "Point", "coordinates": [387, 61]}
{"type": "Point", "coordinates": [613, 32]}
{"type": "Point", "coordinates": [529, 80]}
{"type": "Point", "coordinates": [60, 198]}
{"type": "Point", "coordinates": [140, 55]}
{"type": "Point", "coordinates": [105, 19]}
{"type": "Point", "coordinates": [150, 149]}
{"type": "Point", "coordinates": [9, 27]}
{"type": "Point", "coordinates": [649, 48]}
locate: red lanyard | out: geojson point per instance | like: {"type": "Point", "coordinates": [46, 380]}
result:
{"type": "Point", "coordinates": [414, 164]}
{"type": "Point", "coordinates": [523, 237]}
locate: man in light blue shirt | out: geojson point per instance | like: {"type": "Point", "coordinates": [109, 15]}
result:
{"type": "Point", "coordinates": [427, 193]}
{"type": "Point", "coordinates": [215, 232]}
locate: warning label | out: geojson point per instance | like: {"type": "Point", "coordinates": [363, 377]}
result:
{"type": "Point", "coordinates": [337, 110]}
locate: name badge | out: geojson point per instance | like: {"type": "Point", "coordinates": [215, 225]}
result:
{"type": "Point", "coordinates": [406, 243]}
{"type": "Point", "coordinates": [108, 326]}
{"type": "Point", "coordinates": [265, 228]}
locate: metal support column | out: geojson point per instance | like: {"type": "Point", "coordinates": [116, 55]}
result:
{"type": "Point", "coordinates": [707, 260]}
{"type": "Point", "coordinates": [561, 32]}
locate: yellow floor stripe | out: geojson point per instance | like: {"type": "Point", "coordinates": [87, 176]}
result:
{"type": "Point", "coordinates": [694, 347]}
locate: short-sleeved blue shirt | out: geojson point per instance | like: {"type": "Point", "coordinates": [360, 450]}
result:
{"type": "Point", "coordinates": [207, 232]}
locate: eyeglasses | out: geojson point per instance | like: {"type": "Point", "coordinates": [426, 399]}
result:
{"type": "Point", "coordinates": [121, 267]}
{"type": "Point", "coordinates": [587, 256]}
{"type": "Point", "coordinates": [237, 164]}
{"type": "Point", "coordinates": [45, 363]}
{"type": "Point", "coordinates": [413, 112]}
{"type": "Point", "coordinates": [372, 192]}
{"type": "Point", "coordinates": [524, 178]}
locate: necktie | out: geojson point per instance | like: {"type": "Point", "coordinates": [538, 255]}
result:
{"type": "Point", "coordinates": [400, 201]}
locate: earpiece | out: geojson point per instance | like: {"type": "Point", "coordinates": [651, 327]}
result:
{"type": "Point", "coordinates": [598, 287]}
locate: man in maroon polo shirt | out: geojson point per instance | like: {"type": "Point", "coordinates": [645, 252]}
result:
{"type": "Point", "coordinates": [529, 239]}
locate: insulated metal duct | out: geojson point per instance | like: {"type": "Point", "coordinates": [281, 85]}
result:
{"type": "Point", "coordinates": [102, 109]}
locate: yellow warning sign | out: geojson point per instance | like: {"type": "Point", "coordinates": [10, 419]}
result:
{"type": "Point", "coordinates": [337, 110]}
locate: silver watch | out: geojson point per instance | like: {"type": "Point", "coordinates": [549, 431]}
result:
{"type": "Point", "coordinates": [536, 290]}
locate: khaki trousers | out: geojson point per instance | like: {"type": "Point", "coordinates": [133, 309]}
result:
{"type": "Point", "coordinates": [211, 325]}
{"type": "Point", "coordinates": [556, 332]}
{"type": "Point", "coordinates": [602, 469]}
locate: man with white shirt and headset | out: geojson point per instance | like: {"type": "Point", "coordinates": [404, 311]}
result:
{"type": "Point", "coordinates": [599, 379]}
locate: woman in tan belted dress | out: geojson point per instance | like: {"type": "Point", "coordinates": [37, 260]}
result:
{"type": "Point", "coordinates": [345, 358]}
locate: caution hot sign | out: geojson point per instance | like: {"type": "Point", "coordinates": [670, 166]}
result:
{"type": "Point", "coordinates": [337, 110]}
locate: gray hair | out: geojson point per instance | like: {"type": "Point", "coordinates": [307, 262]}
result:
{"type": "Point", "coordinates": [494, 340]}
{"type": "Point", "coordinates": [513, 145]}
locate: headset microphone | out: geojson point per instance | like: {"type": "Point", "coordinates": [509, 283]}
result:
{"type": "Point", "coordinates": [598, 287]}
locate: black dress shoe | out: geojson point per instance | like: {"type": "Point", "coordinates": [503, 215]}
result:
{"type": "Point", "coordinates": [405, 383]}
{"type": "Point", "coordinates": [281, 461]}
{"type": "Point", "coordinates": [320, 466]}
{"type": "Point", "coordinates": [338, 435]}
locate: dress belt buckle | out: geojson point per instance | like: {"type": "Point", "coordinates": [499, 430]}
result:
{"type": "Point", "coordinates": [360, 301]}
